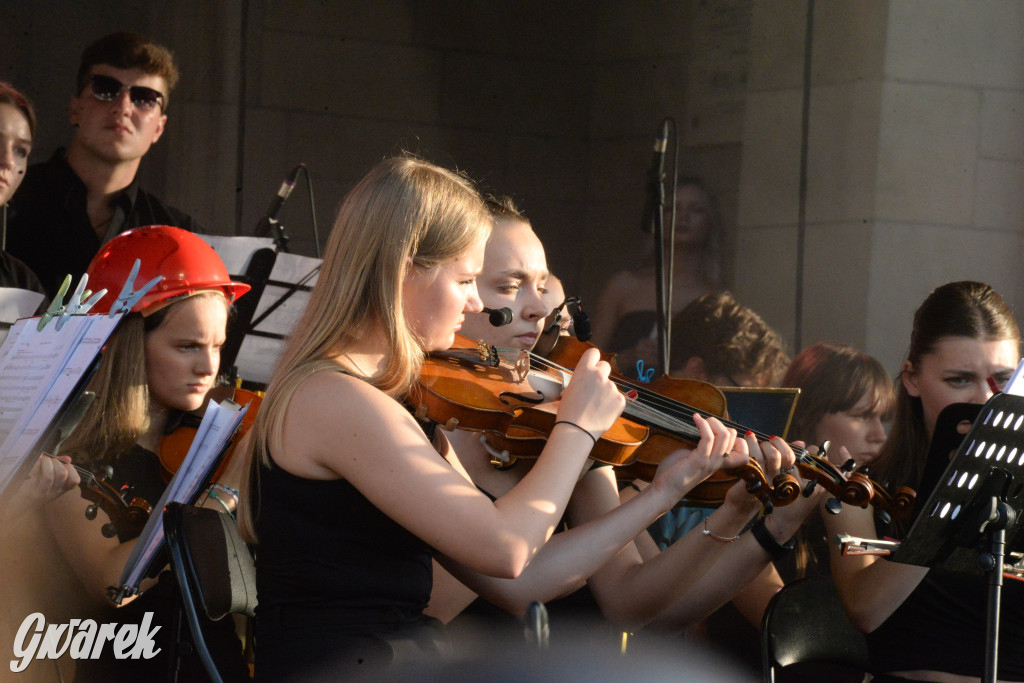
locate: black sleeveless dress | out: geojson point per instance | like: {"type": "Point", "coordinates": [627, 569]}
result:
{"type": "Point", "coordinates": [342, 587]}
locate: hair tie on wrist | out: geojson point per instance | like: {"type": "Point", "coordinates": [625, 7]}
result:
{"type": "Point", "coordinates": [715, 537]}
{"type": "Point", "coordinates": [566, 422]}
{"type": "Point", "coordinates": [764, 538]}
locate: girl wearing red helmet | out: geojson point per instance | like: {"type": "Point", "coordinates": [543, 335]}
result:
{"type": "Point", "coordinates": [160, 363]}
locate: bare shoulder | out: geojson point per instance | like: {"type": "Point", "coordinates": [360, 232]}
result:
{"type": "Point", "coordinates": [334, 418]}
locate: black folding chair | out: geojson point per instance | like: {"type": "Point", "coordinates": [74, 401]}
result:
{"type": "Point", "coordinates": [805, 623]}
{"type": "Point", "coordinates": [214, 569]}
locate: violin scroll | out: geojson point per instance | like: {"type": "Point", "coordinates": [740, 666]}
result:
{"type": "Point", "coordinates": [856, 489]}
{"type": "Point", "coordinates": [128, 514]}
{"type": "Point", "coordinates": [785, 489]}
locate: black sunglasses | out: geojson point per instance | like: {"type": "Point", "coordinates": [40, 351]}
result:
{"type": "Point", "coordinates": [108, 88]}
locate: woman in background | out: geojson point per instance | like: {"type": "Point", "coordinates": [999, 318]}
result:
{"type": "Point", "coordinates": [625, 318]}
{"type": "Point", "coordinates": [630, 589]}
{"type": "Point", "coordinates": [845, 397]}
{"type": "Point", "coordinates": [49, 477]}
{"type": "Point", "coordinates": [929, 624]}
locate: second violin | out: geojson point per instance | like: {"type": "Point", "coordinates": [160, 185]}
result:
{"type": "Point", "coordinates": [497, 392]}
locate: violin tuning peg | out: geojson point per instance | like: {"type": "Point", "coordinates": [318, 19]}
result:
{"type": "Point", "coordinates": [849, 465]}
{"type": "Point", "coordinates": [809, 488]}
{"type": "Point", "coordinates": [768, 507]}
{"type": "Point", "coordinates": [883, 517]}
{"type": "Point", "coordinates": [90, 512]}
{"type": "Point", "coordinates": [833, 506]}
{"type": "Point", "coordinates": [108, 530]}
{"type": "Point", "coordinates": [106, 473]}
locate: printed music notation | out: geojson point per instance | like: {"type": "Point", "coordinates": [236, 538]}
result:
{"type": "Point", "coordinates": [217, 427]}
{"type": "Point", "coordinates": [39, 371]}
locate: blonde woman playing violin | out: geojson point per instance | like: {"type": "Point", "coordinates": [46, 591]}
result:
{"type": "Point", "coordinates": [348, 497]}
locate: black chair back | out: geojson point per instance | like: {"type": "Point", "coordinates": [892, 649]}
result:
{"type": "Point", "coordinates": [805, 622]}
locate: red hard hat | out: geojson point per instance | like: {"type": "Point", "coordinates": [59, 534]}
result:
{"type": "Point", "coordinates": [188, 265]}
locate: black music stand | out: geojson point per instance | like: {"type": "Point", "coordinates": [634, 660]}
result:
{"type": "Point", "coordinates": [972, 517]}
{"type": "Point", "coordinates": [256, 275]}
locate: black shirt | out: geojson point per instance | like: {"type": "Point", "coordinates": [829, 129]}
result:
{"type": "Point", "coordinates": [941, 627]}
{"type": "Point", "coordinates": [49, 228]}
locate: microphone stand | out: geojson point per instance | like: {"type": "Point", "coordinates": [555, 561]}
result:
{"type": "Point", "coordinates": [276, 229]}
{"type": "Point", "coordinates": [658, 222]}
{"type": "Point", "coordinates": [663, 276]}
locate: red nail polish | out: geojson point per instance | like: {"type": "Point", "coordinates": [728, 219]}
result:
{"type": "Point", "coordinates": [750, 432]}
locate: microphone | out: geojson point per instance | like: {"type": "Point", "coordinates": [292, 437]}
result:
{"type": "Point", "coordinates": [655, 175]}
{"type": "Point", "coordinates": [499, 317]}
{"type": "Point", "coordinates": [270, 217]}
{"type": "Point", "coordinates": [581, 325]}
{"type": "Point", "coordinates": [580, 320]}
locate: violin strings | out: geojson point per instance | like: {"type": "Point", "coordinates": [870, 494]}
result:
{"type": "Point", "coordinates": [666, 413]}
{"type": "Point", "coordinates": [652, 400]}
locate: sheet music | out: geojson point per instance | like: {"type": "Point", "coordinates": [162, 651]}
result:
{"type": "Point", "coordinates": [14, 304]}
{"type": "Point", "coordinates": [261, 348]}
{"type": "Point", "coordinates": [235, 252]}
{"type": "Point", "coordinates": [1015, 385]}
{"type": "Point", "coordinates": [216, 429]}
{"type": "Point", "coordinates": [39, 370]}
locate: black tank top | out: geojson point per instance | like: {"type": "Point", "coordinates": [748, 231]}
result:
{"type": "Point", "coordinates": [323, 544]}
{"type": "Point", "coordinates": [338, 580]}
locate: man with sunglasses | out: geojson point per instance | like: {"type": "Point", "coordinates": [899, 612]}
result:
{"type": "Point", "coordinates": [82, 197]}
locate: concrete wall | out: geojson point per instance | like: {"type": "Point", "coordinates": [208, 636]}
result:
{"type": "Point", "coordinates": [916, 143]}
{"type": "Point", "coordinates": [914, 173]}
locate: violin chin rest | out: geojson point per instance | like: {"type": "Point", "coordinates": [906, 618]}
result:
{"type": "Point", "coordinates": [545, 385]}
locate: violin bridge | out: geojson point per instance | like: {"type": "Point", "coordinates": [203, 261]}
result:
{"type": "Point", "coordinates": [485, 351]}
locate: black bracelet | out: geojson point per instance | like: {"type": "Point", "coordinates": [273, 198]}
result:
{"type": "Point", "coordinates": [566, 422]}
{"type": "Point", "coordinates": [764, 538]}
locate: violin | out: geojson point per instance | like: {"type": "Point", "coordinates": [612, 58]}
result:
{"type": "Point", "coordinates": [174, 446]}
{"type": "Point", "coordinates": [128, 513]}
{"type": "Point", "coordinates": [477, 387]}
{"type": "Point", "coordinates": [675, 397]}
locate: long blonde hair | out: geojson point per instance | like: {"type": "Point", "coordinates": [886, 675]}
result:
{"type": "Point", "coordinates": [119, 414]}
{"type": "Point", "coordinates": [405, 210]}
